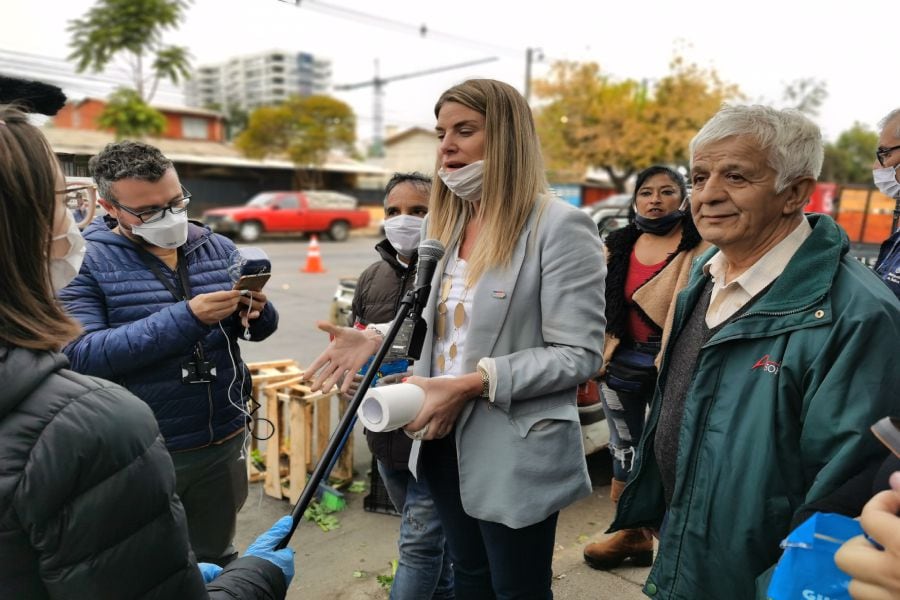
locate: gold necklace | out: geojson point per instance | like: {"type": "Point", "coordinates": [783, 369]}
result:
{"type": "Point", "coordinates": [444, 361]}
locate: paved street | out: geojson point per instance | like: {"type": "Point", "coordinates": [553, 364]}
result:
{"type": "Point", "coordinates": [343, 563]}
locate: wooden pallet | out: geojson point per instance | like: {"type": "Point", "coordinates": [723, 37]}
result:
{"type": "Point", "coordinates": [300, 417]}
{"type": "Point", "coordinates": [262, 374]}
{"type": "Point", "coordinates": [274, 370]}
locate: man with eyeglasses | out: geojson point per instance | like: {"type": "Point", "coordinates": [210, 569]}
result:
{"type": "Point", "coordinates": [886, 174]}
{"type": "Point", "coordinates": [160, 318]}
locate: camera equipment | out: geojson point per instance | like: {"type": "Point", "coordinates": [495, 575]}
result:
{"type": "Point", "coordinates": [248, 261]}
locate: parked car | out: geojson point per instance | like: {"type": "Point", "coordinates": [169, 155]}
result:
{"type": "Point", "coordinates": [341, 304]}
{"type": "Point", "coordinates": [290, 212]}
{"type": "Point", "coordinates": [610, 214]}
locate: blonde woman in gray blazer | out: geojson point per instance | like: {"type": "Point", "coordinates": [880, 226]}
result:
{"type": "Point", "coordinates": [516, 319]}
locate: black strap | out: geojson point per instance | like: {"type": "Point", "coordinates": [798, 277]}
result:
{"type": "Point", "coordinates": [152, 263]}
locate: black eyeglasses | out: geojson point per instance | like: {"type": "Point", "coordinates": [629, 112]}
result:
{"type": "Point", "coordinates": [883, 153]}
{"type": "Point", "coordinates": [156, 214]}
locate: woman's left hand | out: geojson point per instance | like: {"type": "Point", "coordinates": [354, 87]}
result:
{"type": "Point", "coordinates": [445, 398]}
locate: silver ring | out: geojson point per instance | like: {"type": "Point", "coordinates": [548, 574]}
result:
{"type": "Point", "coordinates": [420, 434]}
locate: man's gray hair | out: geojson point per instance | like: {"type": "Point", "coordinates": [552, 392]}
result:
{"type": "Point", "coordinates": [127, 160]}
{"type": "Point", "coordinates": [421, 182]}
{"type": "Point", "coordinates": [793, 142]}
{"type": "Point", "coordinates": [888, 119]}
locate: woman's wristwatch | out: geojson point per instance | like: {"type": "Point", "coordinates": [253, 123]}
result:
{"type": "Point", "coordinates": [485, 383]}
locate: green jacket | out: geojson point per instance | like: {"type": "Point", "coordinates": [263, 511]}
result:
{"type": "Point", "coordinates": [777, 416]}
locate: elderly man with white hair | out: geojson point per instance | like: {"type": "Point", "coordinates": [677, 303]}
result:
{"type": "Point", "coordinates": [781, 356]}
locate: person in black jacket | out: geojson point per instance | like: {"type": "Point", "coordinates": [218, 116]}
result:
{"type": "Point", "coordinates": [87, 489]}
{"type": "Point", "coordinates": [424, 569]}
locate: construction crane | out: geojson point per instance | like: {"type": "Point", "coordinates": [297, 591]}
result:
{"type": "Point", "coordinates": [378, 84]}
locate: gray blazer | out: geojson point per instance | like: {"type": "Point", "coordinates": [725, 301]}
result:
{"type": "Point", "coordinates": [542, 321]}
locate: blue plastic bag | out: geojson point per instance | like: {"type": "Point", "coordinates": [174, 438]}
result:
{"type": "Point", "coordinates": [387, 368]}
{"type": "Point", "coordinates": [806, 570]}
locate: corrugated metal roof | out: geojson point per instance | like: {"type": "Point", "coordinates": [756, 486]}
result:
{"type": "Point", "coordinates": [90, 142]}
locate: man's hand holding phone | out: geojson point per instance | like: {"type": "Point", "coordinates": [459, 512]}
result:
{"type": "Point", "coordinates": [255, 302]}
{"type": "Point", "coordinates": [212, 307]}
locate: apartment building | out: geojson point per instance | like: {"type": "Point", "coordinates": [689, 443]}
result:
{"type": "Point", "coordinates": [250, 81]}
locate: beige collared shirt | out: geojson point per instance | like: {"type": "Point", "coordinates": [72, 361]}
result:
{"type": "Point", "coordinates": [728, 299]}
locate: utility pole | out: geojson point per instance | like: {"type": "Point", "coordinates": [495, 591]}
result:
{"type": "Point", "coordinates": [378, 83]}
{"type": "Point", "coordinates": [377, 148]}
{"type": "Point", "coordinates": [531, 55]}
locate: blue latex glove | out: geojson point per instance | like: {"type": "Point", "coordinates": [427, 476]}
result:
{"type": "Point", "coordinates": [209, 571]}
{"type": "Point", "coordinates": [264, 547]}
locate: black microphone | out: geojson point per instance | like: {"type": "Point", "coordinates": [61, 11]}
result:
{"type": "Point", "coordinates": [411, 335]}
{"type": "Point", "coordinates": [430, 254]}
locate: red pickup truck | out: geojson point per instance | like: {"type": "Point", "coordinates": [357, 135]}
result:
{"type": "Point", "coordinates": [289, 212]}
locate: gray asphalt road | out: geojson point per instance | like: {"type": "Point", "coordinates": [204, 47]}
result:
{"type": "Point", "coordinates": [344, 563]}
{"type": "Point", "coordinates": [304, 298]}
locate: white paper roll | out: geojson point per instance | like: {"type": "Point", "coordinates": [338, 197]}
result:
{"type": "Point", "coordinates": [390, 407]}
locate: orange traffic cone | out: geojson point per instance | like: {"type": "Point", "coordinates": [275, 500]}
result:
{"type": "Point", "coordinates": [313, 257]}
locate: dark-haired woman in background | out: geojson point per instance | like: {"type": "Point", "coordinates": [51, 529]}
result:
{"type": "Point", "coordinates": [648, 264]}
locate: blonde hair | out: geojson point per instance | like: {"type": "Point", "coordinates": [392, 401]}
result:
{"type": "Point", "coordinates": [514, 176]}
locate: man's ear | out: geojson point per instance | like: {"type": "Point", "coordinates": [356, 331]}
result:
{"type": "Point", "coordinates": [798, 195]}
{"type": "Point", "coordinates": [107, 206]}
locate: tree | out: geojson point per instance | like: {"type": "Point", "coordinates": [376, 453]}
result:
{"type": "Point", "coordinates": [590, 120]}
{"type": "Point", "coordinates": [235, 118]}
{"type": "Point", "coordinates": [132, 29]}
{"type": "Point", "coordinates": [129, 116]}
{"type": "Point", "coordinates": [305, 128]}
{"type": "Point", "coordinates": [806, 95]}
{"type": "Point", "coordinates": [849, 159]}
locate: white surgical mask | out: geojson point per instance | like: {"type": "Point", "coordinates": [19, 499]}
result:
{"type": "Point", "coordinates": [886, 181]}
{"type": "Point", "coordinates": [64, 269]}
{"type": "Point", "coordinates": [404, 233]}
{"type": "Point", "coordinates": [465, 182]}
{"type": "Point", "coordinates": [169, 232]}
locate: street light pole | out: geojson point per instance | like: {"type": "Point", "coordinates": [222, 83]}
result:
{"type": "Point", "coordinates": [531, 55]}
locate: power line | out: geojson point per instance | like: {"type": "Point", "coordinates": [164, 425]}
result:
{"type": "Point", "coordinates": [60, 72]}
{"type": "Point", "coordinates": [421, 30]}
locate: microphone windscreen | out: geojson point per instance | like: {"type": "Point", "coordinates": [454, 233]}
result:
{"type": "Point", "coordinates": [33, 96]}
{"type": "Point", "coordinates": [248, 261]}
{"type": "Point", "coordinates": [431, 249]}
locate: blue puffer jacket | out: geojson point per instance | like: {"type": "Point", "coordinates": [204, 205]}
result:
{"type": "Point", "coordinates": [137, 334]}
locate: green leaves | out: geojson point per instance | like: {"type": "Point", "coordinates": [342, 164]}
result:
{"type": "Point", "coordinates": [591, 120]}
{"type": "Point", "coordinates": [357, 487]}
{"type": "Point", "coordinates": [134, 28]}
{"type": "Point", "coordinates": [850, 158]}
{"type": "Point", "coordinates": [130, 117]}
{"type": "Point", "coordinates": [386, 581]}
{"type": "Point", "coordinates": [173, 63]}
{"type": "Point", "coordinates": [321, 516]}
{"type": "Point", "coordinates": [303, 128]}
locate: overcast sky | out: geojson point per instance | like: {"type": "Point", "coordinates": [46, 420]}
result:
{"type": "Point", "coordinates": [758, 45]}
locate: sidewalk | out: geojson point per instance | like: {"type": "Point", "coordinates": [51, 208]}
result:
{"type": "Point", "coordinates": [343, 563]}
